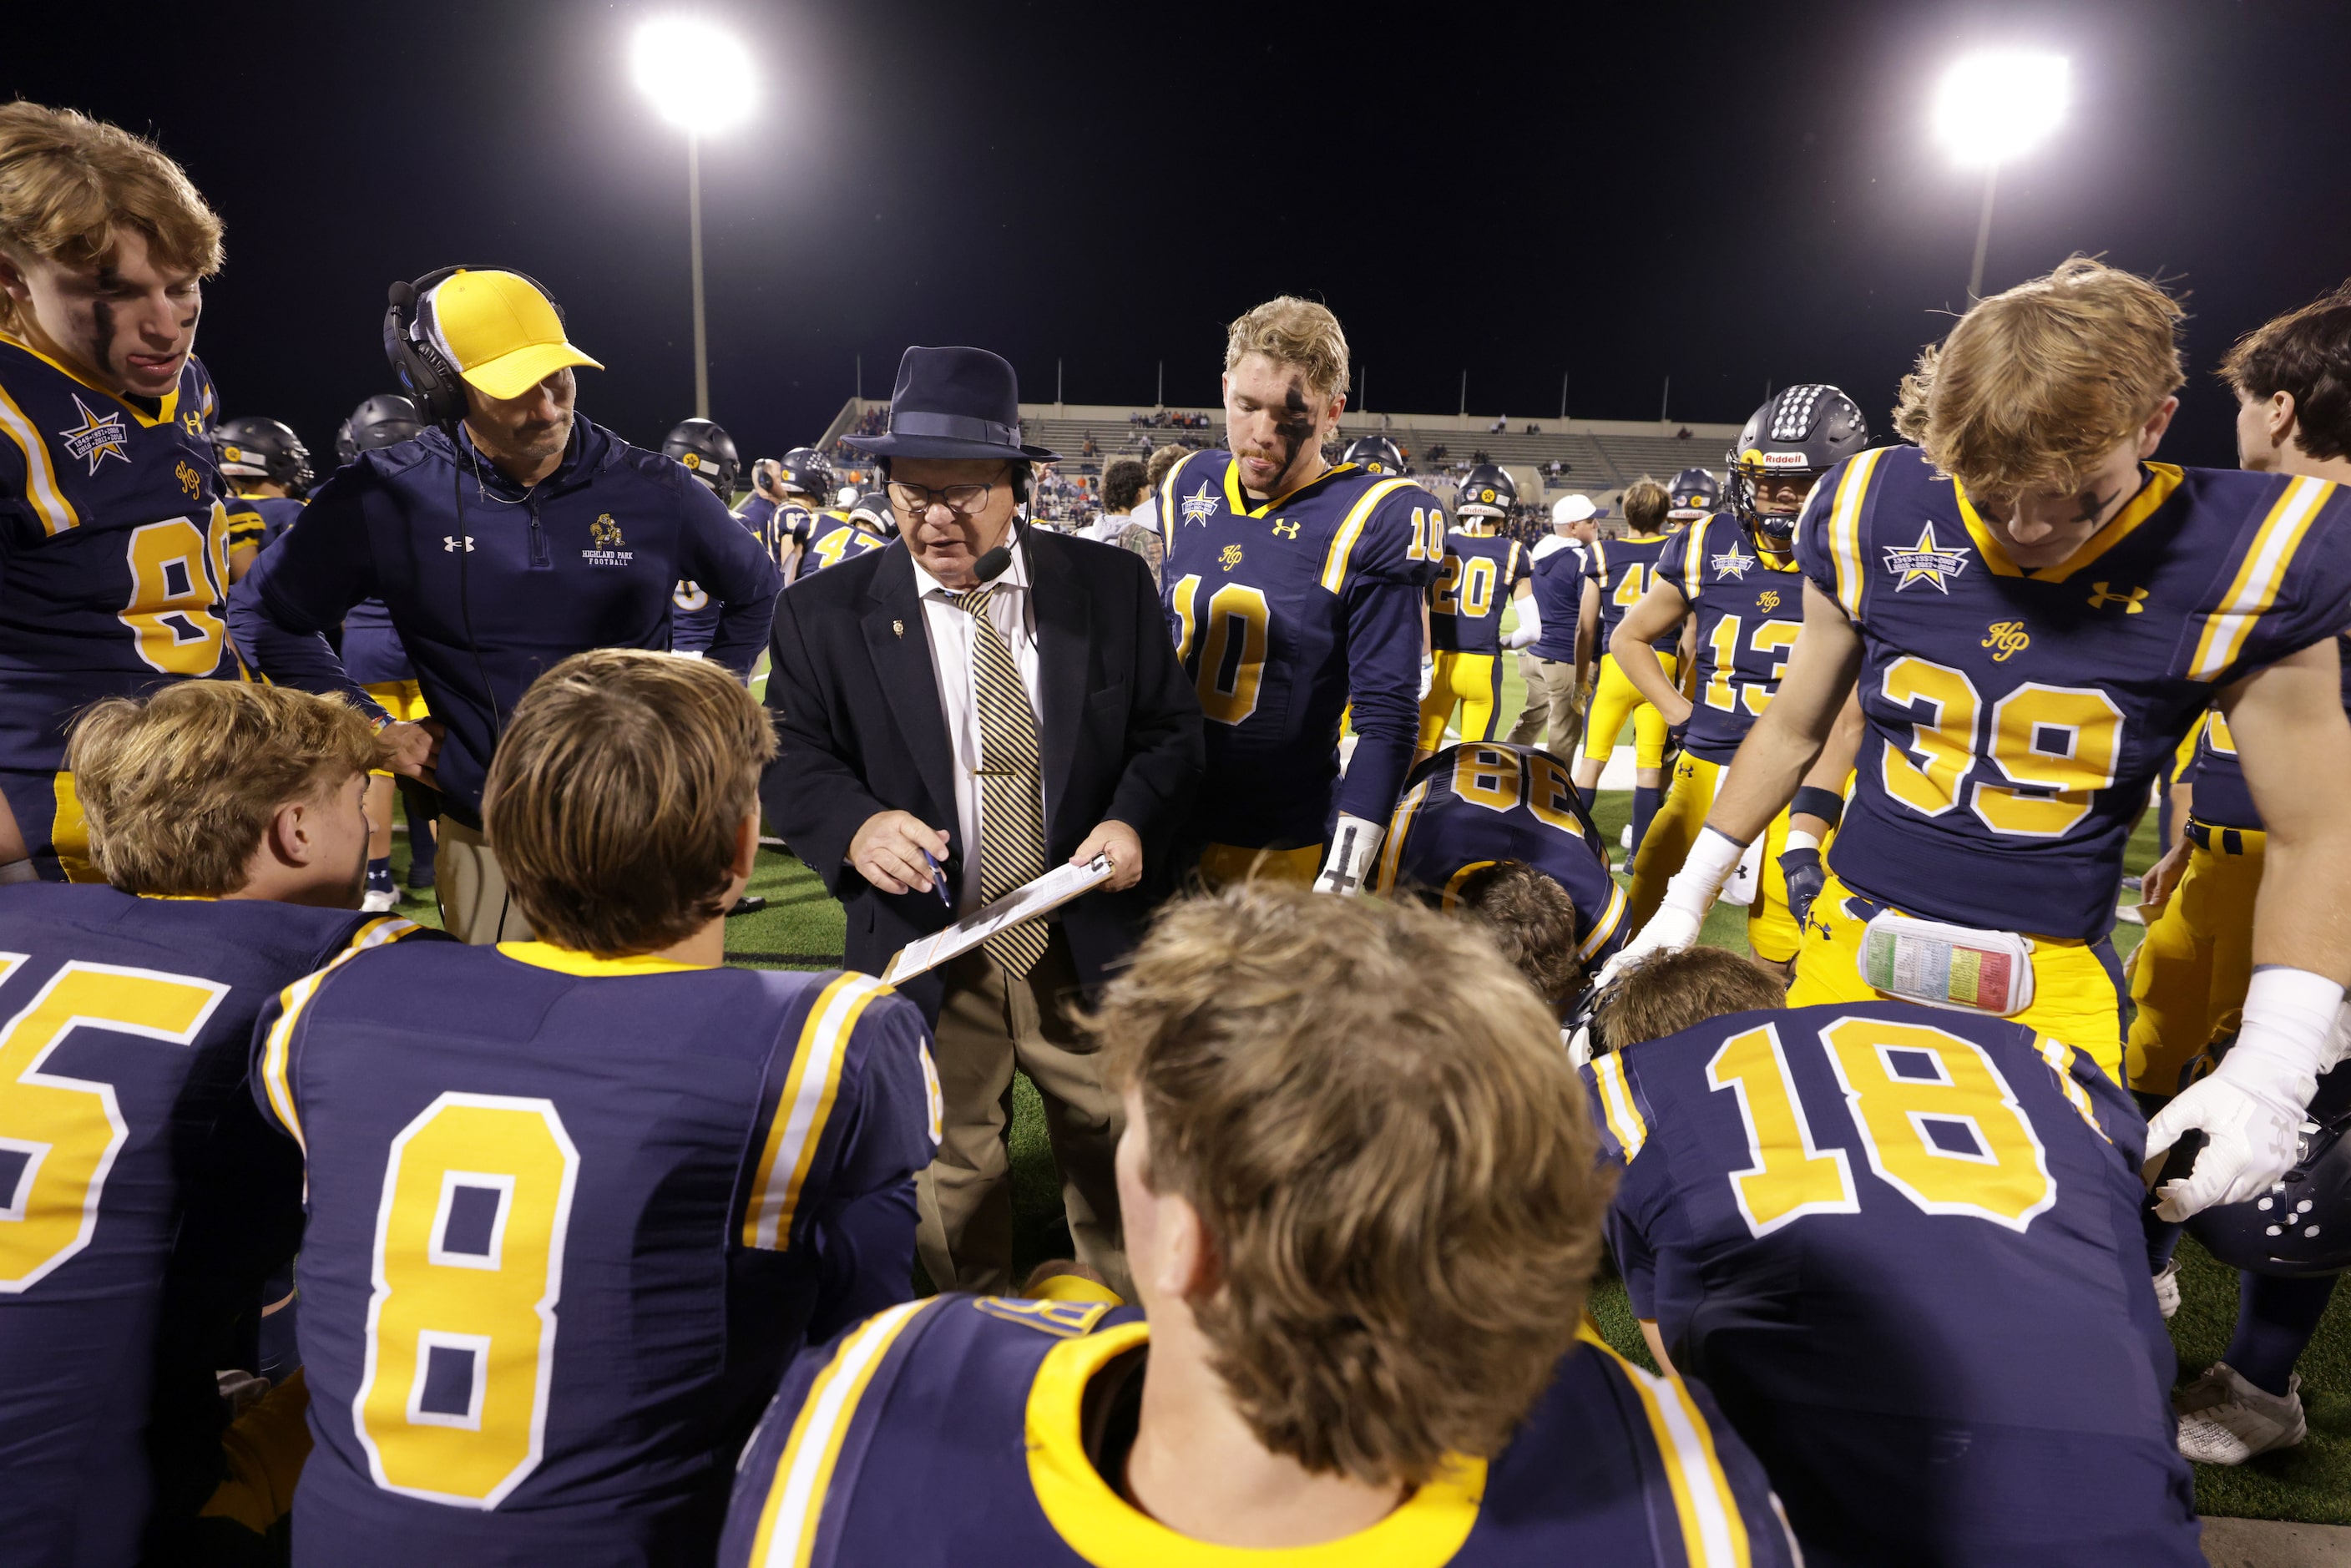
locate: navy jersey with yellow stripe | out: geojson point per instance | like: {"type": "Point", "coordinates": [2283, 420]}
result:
{"type": "Point", "coordinates": [569, 1220]}
{"type": "Point", "coordinates": [984, 1405]}
{"type": "Point", "coordinates": [260, 520]}
{"type": "Point", "coordinates": [2216, 777]}
{"type": "Point", "coordinates": [1621, 568]}
{"type": "Point", "coordinates": [1285, 612]}
{"type": "Point", "coordinates": [1472, 805]}
{"type": "Point", "coordinates": [834, 538]}
{"type": "Point", "coordinates": [1902, 1246]}
{"type": "Point", "coordinates": [113, 548]}
{"type": "Point", "coordinates": [2016, 718]}
{"type": "Point", "coordinates": [694, 613]}
{"type": "Point", "coordinates": [1475, 582]}
{"type": "Point", "coordinates": [1750, 607]}
{"type": "Point", "coordinates": [148, 1202]}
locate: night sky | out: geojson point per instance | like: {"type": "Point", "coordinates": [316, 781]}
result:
{"type": "Point", "coordinates": [1724, 195]}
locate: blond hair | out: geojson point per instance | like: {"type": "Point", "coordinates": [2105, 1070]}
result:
{"type": "Point", "coordinates": [1293, 332]}
{"type": "Point", "coordinates": [1668, 992]}
{"type": "Point", "coordinates": [1375, 1120]}
{"type": "Point", "coordinates": [617, 796]}
{"type": "Point", "coordinates": [179, 788]}
{"type": "Point", "coordinates": [1647, 503]}
{"type": "Point", "coordinates": [68, 182]}
{"type": "Point", "coordinates": [2034, 386]}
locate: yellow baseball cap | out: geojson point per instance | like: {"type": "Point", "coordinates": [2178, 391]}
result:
{"type": "Point", "coordinates": [503, 335]}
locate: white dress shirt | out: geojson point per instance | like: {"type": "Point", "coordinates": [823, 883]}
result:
{"type": "Point", "coordinates": [949, 628]}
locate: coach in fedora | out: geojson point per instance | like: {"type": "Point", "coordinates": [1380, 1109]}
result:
{"type": "Point", "coordinates": [959, 713]}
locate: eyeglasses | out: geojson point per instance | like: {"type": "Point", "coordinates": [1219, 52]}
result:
{"type": "Point", "coordinates": [964, 500]}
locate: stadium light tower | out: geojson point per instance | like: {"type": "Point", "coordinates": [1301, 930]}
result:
{"type": "Point", "coordinates": [1991, 108]}
{"type": "Point", "coordinates": [699, 78]}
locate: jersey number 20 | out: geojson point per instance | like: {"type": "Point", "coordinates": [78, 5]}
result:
{"type": "Point", "coordinates": [461, 1329]}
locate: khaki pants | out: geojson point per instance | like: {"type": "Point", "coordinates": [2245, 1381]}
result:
{"type": "Point", "coordinates": [988, 1022]}
{"type": "Point", "coordinates": [476, 906]}
{"type": "Point", "coordinates": [1551, 701]}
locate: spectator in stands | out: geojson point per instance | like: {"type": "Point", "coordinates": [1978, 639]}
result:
{"type": "Point", "coordinates": [1091, 449]}
{"type": "Point", "coordinates": [1147, 512]}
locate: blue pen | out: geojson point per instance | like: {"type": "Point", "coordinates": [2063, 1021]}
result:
{"type": "Point", "coordinates": [938, 879]}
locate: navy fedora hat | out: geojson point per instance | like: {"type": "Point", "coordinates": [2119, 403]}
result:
{"type": "Point", "coordinates": [954, 402]}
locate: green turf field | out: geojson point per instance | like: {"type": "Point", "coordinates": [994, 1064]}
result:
{"type": "Point", "coordinates": [802, 928]}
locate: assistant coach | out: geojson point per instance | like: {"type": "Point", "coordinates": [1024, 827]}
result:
{"type": "Point", "coordinates": [510, 536]}
{"type": "Point", "coordinates": [999, 700]}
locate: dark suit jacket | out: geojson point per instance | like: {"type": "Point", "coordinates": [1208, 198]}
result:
{"type": "Point", "coordinates": [861, 730]}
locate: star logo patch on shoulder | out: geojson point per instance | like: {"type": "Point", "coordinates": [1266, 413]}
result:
{"type": "Point", "coordinates": [96, 438]}
{"type": "Point", "coordinates": [1199, 506]}
{"type": "Point", "coordinates": [1732, 562]}
{"type": "Point", "coordinates": [1928, 560]}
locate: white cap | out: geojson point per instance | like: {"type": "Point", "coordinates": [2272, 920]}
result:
{"type": "Point", "coordinates": [1572, 510]}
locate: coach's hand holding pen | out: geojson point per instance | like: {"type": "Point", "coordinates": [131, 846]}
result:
{"type": "Point", "coordinates": [897, 851]}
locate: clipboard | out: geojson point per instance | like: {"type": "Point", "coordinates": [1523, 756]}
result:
{"type": "Point", "coordinates": [1030, 902]}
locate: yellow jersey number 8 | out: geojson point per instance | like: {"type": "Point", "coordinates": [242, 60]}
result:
{"type": "Point", "coordinates": [469, 1267]}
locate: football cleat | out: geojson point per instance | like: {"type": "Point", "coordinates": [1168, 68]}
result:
{"type": "Point", "coordinates": [2225, 1420]}
{"type": "Point", "coordinates": [2167, 1290]}
{"type": "Point", "coordinates": [379, 900]}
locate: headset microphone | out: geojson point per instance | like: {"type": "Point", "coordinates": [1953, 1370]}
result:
{"type": "Point", "coordinates": [995, 563]}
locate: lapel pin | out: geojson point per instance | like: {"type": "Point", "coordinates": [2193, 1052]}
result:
{"type": "Point", "coordinates": [897, 627]}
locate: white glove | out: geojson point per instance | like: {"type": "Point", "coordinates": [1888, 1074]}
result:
{"type": "Point", "coordinates": [1683, 911]}
{"type": "Point", "coordinates": [1354, 845]}
{"type": "Point", "coordinates": [1427, 677]}
{"type": "Point", "coordinates": [2250, 1107]}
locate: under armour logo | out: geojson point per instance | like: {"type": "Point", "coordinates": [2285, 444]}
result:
{"type": "Point", "coordinates": [1286, 531]}
{"type": "Point", "coordinates": [2132, 599]}
{"type": "Point", "coordinates": [449, 544]}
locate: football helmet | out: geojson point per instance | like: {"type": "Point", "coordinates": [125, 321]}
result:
{"type": "Point", "coordinates": [806, 473]}
{"type": "Point", "coordinates": [1375, 455]}
{"type": "Point", "coordinates": [1695, 494]}
{"type": "Point", "coordinates": [1801, 432]}
{"type": "Point", "coordinates": [2301, 1228]}
{"type": "Point", "coordinates": [257, 448]}
{"type": "Point", "coordinates": [384, 420]}
{"type": "Point", "coordinates": [870, 511]}
{"type": "Point", "coordinates": [1487, 491]}
{"type": "Point", "coordinates": [709, 453]}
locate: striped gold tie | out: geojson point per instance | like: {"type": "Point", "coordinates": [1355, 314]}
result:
{"type": "Point", "coordinates": [1011, 786]}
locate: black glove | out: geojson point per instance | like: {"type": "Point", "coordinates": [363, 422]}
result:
{"type": "Point", "coordinates": [1805, 877]}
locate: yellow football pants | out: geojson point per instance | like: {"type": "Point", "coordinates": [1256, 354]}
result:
{"type": "Point", "coordinates": [1475, 681]}
{"type": "Point", "coordinates": [1617, 699]}
{"type": "Point", "coordinates": [405, 701]}
{"type": "Point", "coordinates": [2076, 986]}
{"type": "Point", "coordinates": [1770, 928]}
{"type": "Point", "coordinates": [2191, 972]}
{"type": "Point", "coordinates": [1222, 865]}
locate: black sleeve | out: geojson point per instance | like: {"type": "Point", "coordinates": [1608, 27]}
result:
{"type": "Point", "coordinates": [1167, 750]}
{"type": "Point", "coordinates": [812, 794]}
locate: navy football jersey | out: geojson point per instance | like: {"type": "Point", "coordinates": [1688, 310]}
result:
{"type": "Point", "coordinates": [2220, 794]}
{"type": "Point", "coordinates": [835, 539]}
{"type": "Point", "coordinates": [1750, 607]}
{"type": "Point", "coordinates": [1623, 569]}
{"type": "Point", "coordinates": [568, 1221]}
{"type": "Point", "coordinates": [113, 560]}
{"type": "Point", "coordinates": [961, 1429]}
{"type": "Point", "coordinates": [260, 520]}
{"type": "Point", "coordinates": [149, 1202]}
{"type": "Point", "coordinates": [1284, 612]}
{"type": "Point", "coordinates": [372, 653]}
{"type": "Point", "coordinates": [1902, 1246]}
{"type": "Point", "coordinates": [694, 613]}
{"type": "Point", "coordinates": [2017, 718]}
{"type": "Point", "coordinates": [1472, 805]}
{"type": "Point", "coordinates": [1474, 583]}
{"type": "Point", "coordinates": [1558, 566]}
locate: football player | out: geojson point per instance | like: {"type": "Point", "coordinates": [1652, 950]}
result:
{"type": "Point", "coordinates": [267, 469]}
{"type": "Point", "coordinates": [1295, 593]}
{"type": "Point", "coordinates": [372, 653]}
{"type": "Point", "coordinates": [568, 1223]}
{"type": "Point", "coordinates": [1736, 573]}
{"type": "Point", "coordinates": [1481, 573]}
{"type": "Point", "coordinates": [2037, 613]}
{"type": "Point", "coordinates": [1549, 663]}
{"type": "Point", "coordinates": [1695, 494]}
{"type": "Point", "coordinates": [1374, 454]}
{"type": "Point", "coordinates": [2190, 977]}
{"type": "Point", "coordinates": [1363, 1208]}
{"type": "Point", "coordinates": [1902, 1248]}
{"type": "Point", "coordinates": [149, 1204]}
{"type": "Point", "coordinates": [845, 534]}
{"type": "Point", "coordinates": [114, 540]}
{"type": "Point", "coordinates": [805, 481]}
{"type": "Point", "coordinates": [1615, 581]}
{"type": "Point", "coordinates": [707, 452]}
{"type": "Point", "coordinates": [1474, 806]}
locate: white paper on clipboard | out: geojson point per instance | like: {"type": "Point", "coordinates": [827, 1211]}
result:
{"type": "Point", "coordinates": [1040, 897]}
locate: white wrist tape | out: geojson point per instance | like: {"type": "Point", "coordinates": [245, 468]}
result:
{"type": "Point", "coordinates": [1714, 857]}
{"type": "Point", "coordinates": [2289, 1023]}
{"type": "Point", "coordinates": [1800, 840]}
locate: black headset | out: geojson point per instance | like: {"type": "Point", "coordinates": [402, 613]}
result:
{"type": "Point", "coordinates": [425, 374]}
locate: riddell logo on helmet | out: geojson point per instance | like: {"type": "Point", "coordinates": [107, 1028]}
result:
{"type": "Point", "coordinates": [1786, 460]}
